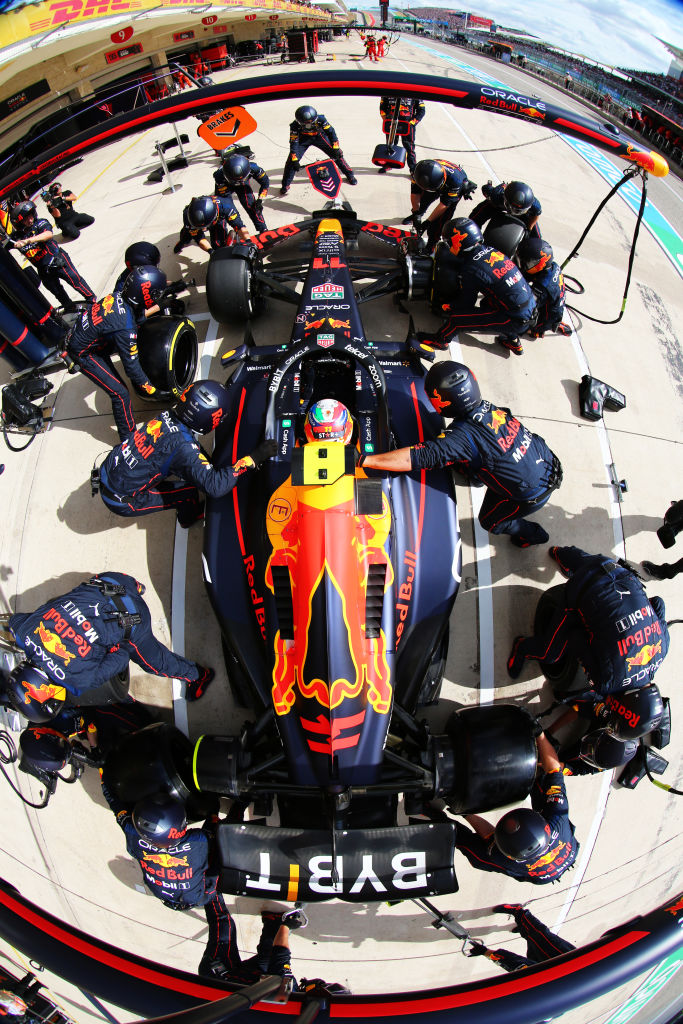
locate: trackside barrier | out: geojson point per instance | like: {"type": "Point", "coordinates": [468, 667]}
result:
{"type": "Point", "coordinates": [468, 95]}
{"type": "Point", "coordinates": [149, 989]}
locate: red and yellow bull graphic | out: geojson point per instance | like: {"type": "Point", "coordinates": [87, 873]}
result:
{"type": "Point", "coordinates": [316, 534]}
{"type": "Point", "coordinates": [498, 420]}
{"type": "Point", "coordinates": [42, 693]}
{"type": "Point", "coordinates": [645, 655]}
{"type": "Point", "coordinates": [51, 642]}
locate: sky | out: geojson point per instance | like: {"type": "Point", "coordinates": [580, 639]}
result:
{"type": "Point", "coordinates": [617, 32]}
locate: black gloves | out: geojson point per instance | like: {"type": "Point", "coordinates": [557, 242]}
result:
{"type": "Point", "coordinates": [487, 189]}
{"type": "Point", "coordinates": [469, 189]}
{"type": "Point", "coordinates": [263, 452]}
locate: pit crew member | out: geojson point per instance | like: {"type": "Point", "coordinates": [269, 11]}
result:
{"type": "Point", "coordinates": [138, 254]}
{"type": "Point", "coordinates": [133, 477]}
{"type": "Point", "coordinates": [489, 446]}
{"type": "Point", "coordinates": [232, 178]}
{"type": "Point", "coordinates": [222, 958]}
{"type": "Point", "coordinates": [535, 258]}
{"type": "Point", "coordinates": [410, 113]}
{"type": "Point", "coordinates": [309, 128]}
{"type": "Point", "coordinates": [35, 238]}
{"type": "Point", "coordinates": [84, 638]}
{"type": "Point", "coordinates": [205, 213]}
{"type": "Point", "coordinates": [541, 943]}
{"type": "Point", "coordinates": [513, 197]}
{"type": "Point", "coordinates": [607, 622]}
{"type": "Point", "coordinates": [440, 181]}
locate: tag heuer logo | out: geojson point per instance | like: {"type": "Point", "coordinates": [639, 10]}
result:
{"type": "Point", "coordinates": [324, 340]}
{"type": "Point", "coordinates": [327, 291]}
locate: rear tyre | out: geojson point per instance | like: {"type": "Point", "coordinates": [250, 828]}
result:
{"type": "Point", "coordinates": [505, 233]}
{"type": "Point", "coordinates": [168, 352]}
{"type": "Point", "coordinates": [229, 290]}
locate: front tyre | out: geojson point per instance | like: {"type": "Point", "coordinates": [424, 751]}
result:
{"type": "Point", "coordinates": [168, 353]}
{"type": "Point", "coordinates": [229, 288]}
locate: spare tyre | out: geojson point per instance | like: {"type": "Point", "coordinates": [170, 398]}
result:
{"type": "Point", "coordinates": [505, 233]}
{"type": "Point", "coordinates": [168, 349]}
{"type": "Point", "coordinates": [229, 288]}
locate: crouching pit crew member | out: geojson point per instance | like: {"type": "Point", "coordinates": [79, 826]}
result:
{"type": "Point", "coordinates": [541, 943]}
{"type": "Point", "coordinates": [221, 220]}
{"type": "Point", "coordinates": [175, 861]}
{"type": "Point", "coordinates": [547, 283]}
{"type": "Point", "coordinates": [110, 325]}
{"type": "Point", "coordinates": [222, 958]}
{"type": "Point", "coordinates": [133, 476]}
{"type": "Point", "coordinates": [513, 197]}
{"type": "Point", "coordinates": [488, 445]}
{"type": "Point", "coordinates": [508, 304]}
{"type": "Point", "coordinates": [536, 845]}
{"type": "Point", "coordinates": [607, 622]}
{"type": "Point", "coordinates": [138, 254]}
{"type": "Point", "coordinates": [86, 637]}
{"type": "Point", "coordinates": [232, 178]}
{"type": "Point", "coordinates": [440, 181]}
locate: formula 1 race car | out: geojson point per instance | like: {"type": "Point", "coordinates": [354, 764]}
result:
{"type": "Point", "coordinates": [333, 590]}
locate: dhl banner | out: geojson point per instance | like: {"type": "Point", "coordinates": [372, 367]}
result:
{"type": "Point", "coordinates": [35, 19]}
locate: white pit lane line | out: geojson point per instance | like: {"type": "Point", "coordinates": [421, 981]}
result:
{"type": "Point", "coordinates": [210, 349]}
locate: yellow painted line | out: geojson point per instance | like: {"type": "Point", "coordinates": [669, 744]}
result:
{"type": "Point", "coordinates": [293, 890]}
{"type": "Point", "coordinates": [118, 157]}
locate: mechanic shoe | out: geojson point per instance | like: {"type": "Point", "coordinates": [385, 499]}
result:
{"type": "Point", "coordinates": [351, 179]}
{"type": "Point", "coordinates": [553, 554]}
{"type": "Point", "coordinates": [658, 572]}
{"type": "Point", "coordinates": [196, 688]}
{"type": "Point", "coordinates": [513, 909]}
{"type": "Point", "coordinates": [214, 969]}
{"type": "Point", "coordinates": [284, 190]}
{"type": "Point", "coordinates": [294, 919]}
{"type": "Point", "coordinates": [383, 170]}
{"type": "Point", "coordinates": [515, 661]}
{"type": "Point", "coordinates": [533, 534]}
{"type": "Point", "coordinates": [511, 344]}
{"type": "Point", "coordinates": [178, 247]}
{"type": "Point", "coordinates": [188, 519]}
{"type": "Point", "coordinates": [564, 329]}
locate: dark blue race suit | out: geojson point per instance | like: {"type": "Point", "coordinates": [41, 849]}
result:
{"type": "Point", "coordinates": [492, 446]}
{"type": "Point", "coordinates": [410, 113]}
{"type": "Point", "coordinates": [541, 944]}
{"type": "Point", "coordinates": [81, 640]}
{"type": "Point", "coordinates": [455, 184]}
{"type": "Point", "coordinates": [222, 957]}
{"type": "Point", "coordinates": [53, 264]}
{"type": "Point", "coordinates": [178, 875]}
{"type": "Point", "coordinates": [508, 306]}
{"type": "Point", "coordinates": [220, 234]}
{"type": "Point", "coordinates": [549, 798]}
{"type": "Point", "coordinates": [494, 202]}
{"type": "Point", "coordinates": [320, 134]}
{"type": "Point", "coordinates": [225, 189]}
{"type": "Point", "coordinates": [548, 287]}
{"type": "Point", "coordinates": [608, 622]}
{"type": "Point", "coordinates": [109, 326]}
{"type": "Point", "coordinates": [133, 475]}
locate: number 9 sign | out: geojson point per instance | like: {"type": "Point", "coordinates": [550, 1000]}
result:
{"type": "Point", "coordinates": [123, 34]}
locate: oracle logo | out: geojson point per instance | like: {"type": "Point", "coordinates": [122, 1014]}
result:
{"type": "Point", "coordinates": [211, 20]}
{"type": "Point", "coordinates": [123, 34]}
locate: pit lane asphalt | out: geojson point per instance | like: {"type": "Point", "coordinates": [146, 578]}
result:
{"type": "Point", "coordinates": [71, 857]}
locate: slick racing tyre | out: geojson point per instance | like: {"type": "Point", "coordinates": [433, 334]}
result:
{"type": "Point", "coordinates": [229, 288]}
{"type": "Point", "coordinates": [168, 355]}
{"type": "Point", "coordinates": [566, 674]}
{"type": "Point", "coordinates": [505, 233]}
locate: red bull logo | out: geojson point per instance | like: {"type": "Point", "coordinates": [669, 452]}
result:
{"type": "Point", "coordinates": [494, 257]}
{"type": "Point", "coordinates": [438, 402]}
{"type": "Point", "coordinates": [166, 860]}
{"type": "Point", "coordinates": [645, 655]}
{"type": "Point", "coordinates": [457, 238]}
{"type": "Point", "coordinates": [108, 303]}
{"type": "Point", "coordinates": [339, 324]}
{"type": "Point", "coordinates": [153, 428]}
{"type": "Point", "coordinates": [532, 112]}
{"type": "Point", "coordinates": [313, 325]}
{"type": "Point", "coordinates": [53, 644]}
{"type": "Point", "coordinates": [42, 693]}
{"type": "Point", "coordinates": [498, 420]}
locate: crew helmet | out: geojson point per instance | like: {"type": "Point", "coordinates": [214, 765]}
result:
{"type": "Point", "coordinates": [534, 255]}
{"type": "Point", "coordinates": [328, 420]}
{"type": "Point", "coordinates": [522, 835]}
{"type": "Point", "coordinates": [142, 254]}
{"type": "Point", "coordinates": [634, 712]}
{"type": "Point", "coordinates": [452, 389]}
{"type": "Point", "coordinates": [46, 749]}
{"type": "Point", "coordinates": [143, 288]}
{"type": "Point", "coordinates": [462, 235]}
{"type": "Point", "coordinates": [30, 691]}
{"type": "Point", "coordinates": [160, 819]}
{"type": "Point", "coordinates": [20, 214]}
{"type": "Point", "coordinates": [518, 197]}
{"type": "Point", "coordinates": [236, 168]}
{"type": "Point", "coordinates": [202, 406]}
{"type": "Point", "coordinates": [602, 750]}
{"type": "Point", "coordinates": [201, 212]}
{"type": "Point", "coordinates": [305, 116]}
{"type": "Point", "coordinates": [429, 175]}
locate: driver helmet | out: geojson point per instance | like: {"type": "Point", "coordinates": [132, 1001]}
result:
{"type": "Point", "coordinates": [201, 212]}
{"type": "Point", "coordinates": [160, 819]}
{"type": "Point", "coordinates": [202, 406]}
{"type": "Point", "coordinates": [31, 692]}
{"type": "Point", "coordinates": [522, 835]}
{"type": "Point", "coordinates": [142, 254]}
{"type": "Point", "coordinates": [462, 235]}
{"type": "Point", "coordinates": [328, 420]}
{"type": "Point", "coordinates": [634, 712]}
{"type": "Point", "coordinates": [534, 255]}
{"type": "Point", "coordinates": [11, 1005]}
{"type": "Point", "coordinates": [236, 168]}
{"type": "Point", "coordinates": [305, 116]}
{"type": "Point", "coordinates": [603, 751]}
{"type": "Point", "coordinates": [452, 389]}
{"type": "Point", "coordinates": [46, 749]}
{"type": "Point", "coordinates": [429, 175]}
{"type": "Point", "coordinates": [143, 288]}
{"type": "Point", "coordinates": [23, 213]}
{"type": "Point", "coordinates": [518, 197]}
